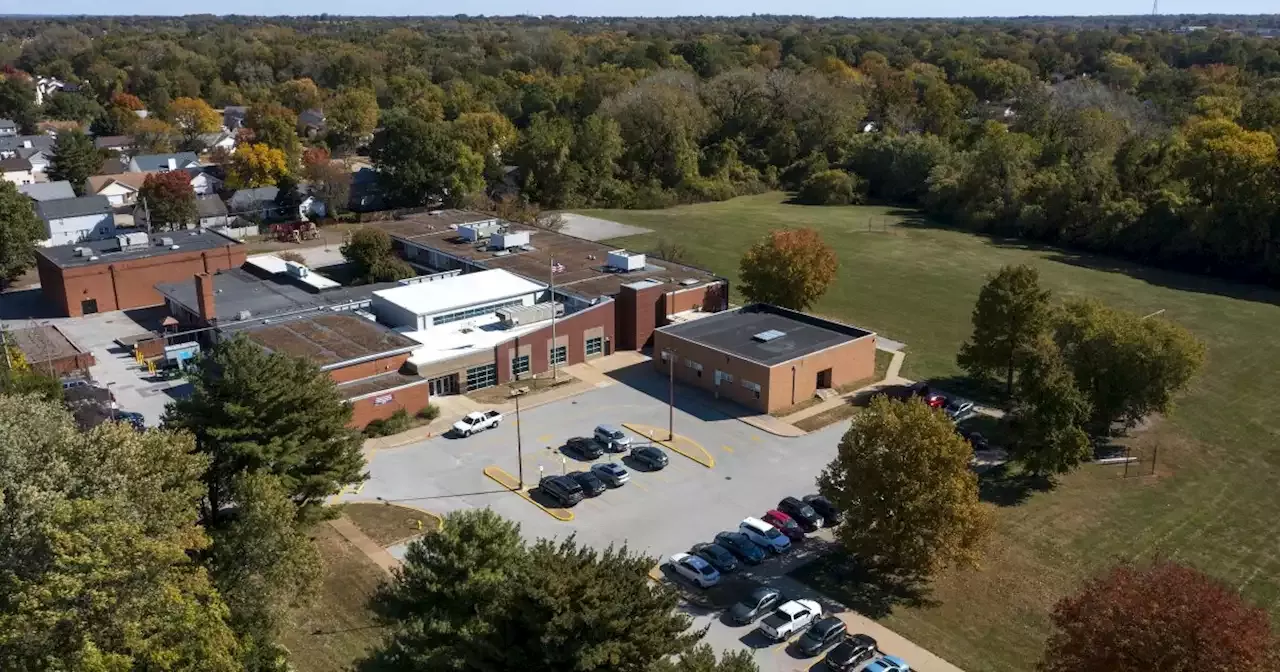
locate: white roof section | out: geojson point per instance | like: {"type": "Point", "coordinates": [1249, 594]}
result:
{"type": "Point", "coordinates": [442, 296]}
{"type": "Point", "coordinates": [267, 262]}
{"type": "Point", "coordinates": [277, 266]}
{"type": "Point", "coordinates": [441, 344]}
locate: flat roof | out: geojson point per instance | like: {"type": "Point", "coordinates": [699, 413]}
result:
{"type": "Point", "coordinates": [448, 342]}
{"type": "Point", "coordinates": [379, 383]}
{"type": "Point", "coordinates": [329, 338]}
{"type": "Point", "coordinates": [736, 332]}
{"type": "Point", "coordinates": [237, 290]}
{"type": "Point", "coordinates": [583, 263]}
{"type": "Point", "coordinates": [468, 289]}
{"type": "Point", "coordinates": [43, 343]}
{"type": "Point", "coordinates": [107, 251]}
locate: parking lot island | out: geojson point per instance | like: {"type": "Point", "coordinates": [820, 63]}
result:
{"type": "Point", "coordinates": [506, 480]}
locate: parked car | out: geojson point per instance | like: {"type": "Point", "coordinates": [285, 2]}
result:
{"type": "Point", "coordinates": [850, 653]}
{"type": "Point", "coordinates": [695, 569]}
{"type": "Point", "coordinates": [477, 422]}
{"type": "Point", "coordinates": [135, 419]}
{"type": "Point", "coordinates": [758, 603]}
{"type": "Point", "coordinates": [821, 635]}
{"type": "Point", "coordinates": [887, 664]}
{"type": "Point", "coordinates": [959, 409]}
{"type": "Point", "coordinates": [717, 555]}
{"type": "Point", "coordinates": [784, 523]}
{"type": "Point", "coordinates": [651, 457]}
{"type": "Point", "coordinates": [789, 619]}
{"type": "Point", "coordinates": [563, 489]}
{"type": "Point", "coordinates": [975, 439]}
{"type": "Point", "coordinates": [741, 546]}
{"type": "Point", "coordinates": [935, 400]}
{"type": "Point", "coordinates": [802, 513]}
{"type": "Point", "coordinates": [591, 485]}
{"type": "Point", "coordinates": [611, 473]}
{"type": "Point", "coordinates": [825, 508]}
{"type": "Point", "coordinates": [765, 535]}
{"type": "Point", "coordinates": [584, 447]}
{"type": "Point", "coordinates": [613, 438]}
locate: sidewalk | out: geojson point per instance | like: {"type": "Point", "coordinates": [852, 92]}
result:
{"type": "Point", "coordinates": [891, 379]}
{"type": "Point", "coordinates": [361, 541]}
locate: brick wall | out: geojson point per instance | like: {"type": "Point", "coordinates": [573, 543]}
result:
{"type": "Point", "coordinates": [366, 410]}
{"type": "Point", "coordinates": [848, 363]}
{"type": "Point", "coordinates": [130, 283]}
{"type": "Point", "coordinates": [372, 367]}
{"type": "Point", "coordinates": [708, 298]}
{"type": "Point", "coordinates": [571, 332]}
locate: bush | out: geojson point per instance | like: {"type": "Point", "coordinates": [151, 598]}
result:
{"type": "Point", "coordinates": [431, 412]}
{"type": "Point", "coordinates": [290, 255]}
{"type": "Point", "coordinates": [832, 187]}
{"type": "Point", "coordinates": [398, 422]}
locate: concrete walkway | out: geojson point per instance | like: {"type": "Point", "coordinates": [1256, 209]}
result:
{"type": "Point", "coordinates": [369, 547]}
{"type": "Point", "coordinates": [891, 379]}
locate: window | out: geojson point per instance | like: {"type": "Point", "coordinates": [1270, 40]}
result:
{"type": "Point", "coordinates": [753, 387]}
{"type": "Point", "coordinates": [693, 365]}
{"type": "Point", "coordinates": [520, 365]}
{"type": "Point", "coordinates": [480, 377]}
{"type": "Point", "coordinates": [473, 312]}
{"type": "Point", "coordinates": [595, 345]}
{"type": "Point", "coordinates": [559, 354]}
{"type": "Point", "coordinates": [666, 355]}
{"type": "Point", "coordinates": [722, 377]}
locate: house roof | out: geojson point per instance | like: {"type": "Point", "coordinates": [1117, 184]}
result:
{"type": "Point", "coordinates": [73, 207]}
{"type": "Point", "coordinates": [108, 251]}
{"type": "Point", "coordinates": [765, 334]}
{"type": "Point", "coordinates": [113, 166]}
{"type": "Point", "coordinates": [7, 123]}
{"type": "Point", "coordinates": [312, 117]}
{"type": "Point", "coordinates": [14, 164]}
{"type": "Point", "coordinates": [210, 206]}
{"type": "Point", "coordinates": [154, 162]}
{"type": "Point", "coordinates": [255, 195]}
{"type": "Point", "coordinates": [47, 191]}
{"type": "Point", "coordinates": [238, 290]}
{"type": "Point", "coordinates": [131, 180]}
{"type": "Point", "coordinates": [113, 141]}
{"type": "Point", "coordinates": [30, 152]}
{"type": "Point", "coordinates": [10, 143]}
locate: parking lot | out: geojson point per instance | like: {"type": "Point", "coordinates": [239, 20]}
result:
{"type": "Point", "coordinates": [659, 513]}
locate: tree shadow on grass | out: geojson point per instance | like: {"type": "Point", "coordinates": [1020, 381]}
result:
{"type": "Point", "coordinates": [864, 587]}
{"type": "Point", "coordinates": [1004, 486]}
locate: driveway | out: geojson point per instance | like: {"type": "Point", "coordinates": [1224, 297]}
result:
{"type": "Point", "coordinates": [658, 513]}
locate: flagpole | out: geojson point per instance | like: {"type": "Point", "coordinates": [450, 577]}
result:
{"type": "Point", "coordinates": [552, 277]}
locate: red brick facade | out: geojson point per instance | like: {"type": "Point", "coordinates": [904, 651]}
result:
{"type": "Point", "coordinates": [372, 367]}
{"type": "Point", "coordinates": [383, 405]}
{"type": "Point", "coordinates": [641, 311]}
{"type": "Point", "coordinates": [129, 283]}
{"type": "Point", "coordinates": [571, 332]}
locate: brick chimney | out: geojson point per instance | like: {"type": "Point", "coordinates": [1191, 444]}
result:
{"type": "Point", "coordinates": [204, 296]}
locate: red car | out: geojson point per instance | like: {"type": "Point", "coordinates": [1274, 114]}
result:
{"type": "Point", "coordinates": [784, 523]}
{"type": "Point", "coordinates": [935, 400]}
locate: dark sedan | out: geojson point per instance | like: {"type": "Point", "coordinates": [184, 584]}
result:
{"type": "Point", "coordinates": [852, 652]}
{"type": "Point", "coordinates": [585, 448]}
{"type": "Point", "coordinates": [591, 486]}
{"type": "Point", "coordinates": [760, 602]}
{"type": "Point", "coordinates": [830, 514]}
{"type": "Point", "coordinates": [805, 516]}
{"type": "Point", "coordinates": [651, 457]}
{"type": "Point", "coordinates": [717, 555]}
{"type": "Point", "coordinates": [739, 545]}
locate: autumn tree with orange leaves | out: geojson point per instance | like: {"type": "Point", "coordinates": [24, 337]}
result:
{"type": "Point", "coordinates": [791, 268]}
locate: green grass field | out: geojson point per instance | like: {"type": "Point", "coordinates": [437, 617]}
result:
{"type": "Point", "coordinates": [1212, 501]}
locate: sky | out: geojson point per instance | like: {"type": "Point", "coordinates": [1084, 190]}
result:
{"type": "Point", "coordinates": [851, 8]}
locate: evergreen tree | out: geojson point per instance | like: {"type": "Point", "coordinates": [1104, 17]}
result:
{"type": "Point", "coordinates": [74, 160]}
{"type": "Point", "coordinates": [20, 230]}
{"type": "Point", "coordinates": [255, 411]}
{"type": "Point", "coordinates": [1011, 313]}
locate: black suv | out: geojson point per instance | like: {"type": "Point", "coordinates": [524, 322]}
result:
{"type": "Point", "coordinates": [587, 449]}
{"type": "Point", "coordinates": [808, 519]}
{"type": "Point", "coordinates": [591, 486]}
{"type": "Point", "coordinates": [562, 489]}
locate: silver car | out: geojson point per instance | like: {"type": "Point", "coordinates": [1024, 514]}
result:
{"type": "Point", "coordinates": [614, 439]}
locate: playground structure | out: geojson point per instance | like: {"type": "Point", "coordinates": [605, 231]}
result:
{"type": "Point", "coordinates": [295, 232]}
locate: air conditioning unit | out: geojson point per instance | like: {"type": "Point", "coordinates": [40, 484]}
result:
{"type": "Point", "coordinates": [295, 269]}
{"type": "Point", "coordinates": [166, 241]}
{"type": "Point", "coordinates": [622, 260]}
{"type": "Point", "coordinates": [243, 315]}
{"type": "Point", "coordinates": [83, 252]}
{"type": "Point", "coordinates": [508, 240]}
{"type": "Point", "coordinates": [477, 231]}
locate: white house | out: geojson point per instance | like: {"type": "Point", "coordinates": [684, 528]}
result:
{"type": "Point", "coordinates": [72, 220]}
{"type": "Point", "coordinates": [119, 189]}
{"type": "Point", "coordinates": [152, 163]}
{"type": "Point", "coordinates": [46, 86]}
{"type": "Point", "coordinates": [38, 157]}
{"type": "Point", "coordinates": [8, 128]}
{"type": "Point", "coordinates": [203, 183]}
{"type": "Point", "coordinates": [17, 171]}
{"type": "Point", "coordinates": [221, 140]}
{"type": "Point", "coordinates": [212, 211]}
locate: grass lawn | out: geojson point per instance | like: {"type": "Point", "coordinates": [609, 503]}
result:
{"type": "Point", "coordinates": [1211, 501]}
{"type": "Point", "coordinates": [388, 524]}
{"type": "Point", "coordinates": [335, 629]}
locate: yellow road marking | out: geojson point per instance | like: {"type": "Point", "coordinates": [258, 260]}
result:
{"type": "Point", "coordinates": [755, 438]}
{"type": "Point", "coordinates": [683, 445]}
{"type": "Point", "coordinates": [506, 480]}
{"type": "Point", "coordinates": [545, 438]}
{"type": "Point", "coordinates": [727, 449]}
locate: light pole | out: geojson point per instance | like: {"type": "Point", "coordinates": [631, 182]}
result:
{"type": "Point", "coordinates": [519, 445]}
{"type": "Point", "coordinates": [671, 395]}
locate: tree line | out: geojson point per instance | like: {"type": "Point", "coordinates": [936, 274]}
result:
{"type": "Point", "coordinates": [1121, 135]}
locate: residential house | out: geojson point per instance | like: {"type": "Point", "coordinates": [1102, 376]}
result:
{"type": "Point", "coordinates": [17, 171]}
{"type": "Point", "coordinates": [233, 117]}
{"type": "Point", "coordinates": [46, 86]}
{"type": "Point", "coordinates": [159, 163]}
{"type": "Point", "coordinates": [47, 191]}
{"type": "Point", "coordinates": [38, 157]}
{"type": "Point", "coordinates": [120, 144]}
{"type": "Point", "coordinates": [366, 193]}
{"type": "Point", "coordinates": [120, 189]}
{"type": "Point", "coordinates": [204, 182]}
{"type": "Point", "coordinates": [222, 140]}
{"type": "Point", "coordinates": [72, 220]}
{"type": "Point", "coordinates": [11, 145]}
{"type": "Point", "coordinates": [258, 204]}
{"type": "Point", "coordinates": [212, 211]}
{"type": "Point", "coordinates": [311, 122]}
{"type": "Point", "coordinates": [8, 128]}
{"type": "Point", "coordinates": [114, 165]}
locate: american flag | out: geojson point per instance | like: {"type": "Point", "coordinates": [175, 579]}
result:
{"type": "Point", "coordinates": [557, 267]}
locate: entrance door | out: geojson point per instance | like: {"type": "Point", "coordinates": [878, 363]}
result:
{"type": "Point", "coordinates": [443, 385]}
{"type": "Point", "coordinates": [89, 306]}
{"type": "Point", "coordinates": [824, 379]}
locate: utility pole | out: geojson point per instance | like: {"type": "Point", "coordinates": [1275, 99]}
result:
{"type": "Point", "coordinates": [519, 446]}
{"type": "Point", "coordinates": [552, 278]}
{"type": "Point", "coordinates": [671, 396]}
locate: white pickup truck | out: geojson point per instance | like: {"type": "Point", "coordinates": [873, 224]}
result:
{"type": "Point", "coordinates": [476, 422]}
{"type": "Point", "coordinates": [789, 619]}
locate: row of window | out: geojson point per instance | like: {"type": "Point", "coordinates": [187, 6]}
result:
{"type": "Point", "coordinates": [560, 355]}
{"type": "Point", "coordinates": [721, 376]}
{"type": "Point", "coordinates": [480, 377]}
{"type": "Point", "coordinates": [473, 312]}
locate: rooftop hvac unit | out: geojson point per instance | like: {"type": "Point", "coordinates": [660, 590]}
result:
{"type": "Point", "coordinates": [84, 252]}
{"type": "Point", "coordinates": [769, 335]}
{"type": "Point", "coordinates": [476, 231]}
{"type": "Point", "coordinates": [516, 316]}
{"type": "Point", "coordinates": [243, 315]}
{"type": "Point", "coordinates": [509, 240]}
{"type": "Point", "coordinates": [295, 269]}
{"type": "Point", "coordinates": [166, 241]}
{"type": "Point", "coordinates": [622, 260]}
{"type": "Point", "coordinates": [688, 282]}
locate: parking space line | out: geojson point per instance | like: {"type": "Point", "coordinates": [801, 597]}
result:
{"type": "Point", "coordinates": [545, 438]}
{"type": "Point", "coordinates": [727, 449]}
{"type": "Point", "coordinates": [640, 485]}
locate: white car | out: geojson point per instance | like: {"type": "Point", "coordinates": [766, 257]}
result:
{"type": "Point", "coordinates": [695, 569]}
{"type": "Point", "coordinates": [475, 422]}
{"type": "Point", "coordinates": [765, 535]}
{"type": "Point", "coordinates": [789, 619]}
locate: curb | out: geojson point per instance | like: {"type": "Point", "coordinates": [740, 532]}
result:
{"type": "Point", "coordinates": [705, 459]}
{"type": "Point", "coordinates": [506, 480]}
